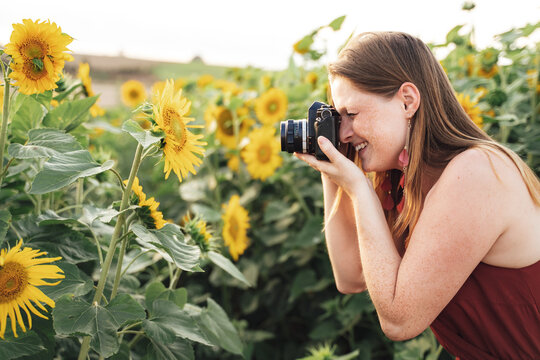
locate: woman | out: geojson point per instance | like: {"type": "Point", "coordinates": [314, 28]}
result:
{"type": "Point", "coordinates": [446, 232]}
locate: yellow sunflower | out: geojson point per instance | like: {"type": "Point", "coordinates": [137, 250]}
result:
{"type": "Point", "coordinates": [311, 78]}
{"type": "Point", "coordinates": [233, 161]}
{"type": "Point", "coordinates": [147, 205]}
{"type": "Point", "coordinates": [157, 88]}
{"type": "Point", "coordinates": [199, 233]}
{"type": "Point", "coordinates": [471, 109]}
{"type": "Point", "coordinates": [204, 80]}
{"type": "Point", "coordinates": [235, 225]}
{"type": "Point", "coordinates": [271, 106]}
{"type": "Point", "coordinates": [20, 274]}
{"type": "Point", "coordinates": [488, 73]}
{"type": "Point", "coordinates": [86, 80]}
{"type": "Point", "coordinates": [133, 93]}
{"type": "Point", "coordinates": [261, 155]}
{"type": "Point", "coordinates": [224, 118]}
{"type": "Point", "coordinates": [37, 50]}
{"type": "Point", "coordinates": [181, 146]}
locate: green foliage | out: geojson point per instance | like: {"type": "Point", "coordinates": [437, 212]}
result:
{"type": "Point", "coordinates": [175, 292]}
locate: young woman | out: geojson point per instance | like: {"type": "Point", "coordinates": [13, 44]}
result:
{"type": "Point", "coordinates": [446, 233]}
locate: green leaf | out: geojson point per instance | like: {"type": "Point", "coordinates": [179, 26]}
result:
{"type": "Point", "coordinates": [5, 220]}
{"type": "Point", "coordinates": [25, 344]}
{"type": "Point", "coordinates": [143, 137]}
{"type": "Point", "coordinates": [179, 349]}
{"type": "Point", "coordinates": [152, 292]}
{"type": "Point", "coordinates": [43, 98]}
{"type": "Point", "coordinates": [92, 213]}
{"type": "Point", "coordinates": [304, 44]}
{"type": "Point", "coordinates": [76, 317]}
{"type": "Point", "coordinates": [177, 296]}
{"type": "Point", "coordinates": [71, 245]}
{"type": "Point", "coordinates": [75, 283]}
{"type": "Point", "coordinates": [336, 23]}
{"type": "Point", "coordinates": [219, 329]}
{"type": "Point", "coordinates": [64, 169]}
{"type": "Point", "coordinates": [228, 266]}
{"type": "Point", "coordinates": [169, 242]}
{"type": "Point", "coordinates": [27, 115]}
{"type": "Point", "coordinates": [70, 114]}
{"type": "Point", "coordinates": [44, 143]}
{"type": "Point", "coordinates": [168, 320]}
{"type": "Point", "coordinates": [304, 279]}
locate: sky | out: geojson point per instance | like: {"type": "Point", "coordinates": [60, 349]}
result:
{"type": "Point", "coordinates": [256, 33]}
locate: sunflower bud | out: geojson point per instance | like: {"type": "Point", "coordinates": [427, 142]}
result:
{"type": "Point", "coordinates": [496, 97]}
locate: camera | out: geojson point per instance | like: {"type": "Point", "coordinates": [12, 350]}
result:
{"type": "Point", "coordinates": [301, 135]}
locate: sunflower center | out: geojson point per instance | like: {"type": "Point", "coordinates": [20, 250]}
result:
{"type": "Point", "coordinates": [264, 153]}
{"type": "Point", "coordinates": [272, 107]}
{"type": "Point", "coordinates": [34, 49]}
{"type": "Point", "coordinates": [233, 227]}
{"type": "Point", "coordinates": [134, 94]}
{"type": "Point", "coordinates": [13, 281]}
{"type": "Point", "coordinates": [225, 122]}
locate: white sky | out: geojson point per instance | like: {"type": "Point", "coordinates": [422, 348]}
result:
{"type": "Point", "coordinates": [258, 33]}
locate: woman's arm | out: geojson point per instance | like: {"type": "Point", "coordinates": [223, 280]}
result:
{"type": "Point", "coordinates": [463, 215]}
{"type": "Point", "coordinates": [342, 241]}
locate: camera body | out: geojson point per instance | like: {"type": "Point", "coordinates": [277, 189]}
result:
{"type": "Point", "coordinates": [301, 135]}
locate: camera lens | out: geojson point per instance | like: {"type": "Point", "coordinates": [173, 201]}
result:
{"type": "Point", "coordinates": [294, 136]}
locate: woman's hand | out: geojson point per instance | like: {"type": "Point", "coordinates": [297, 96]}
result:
{"type": "Point", "coordinates": [342, 171]}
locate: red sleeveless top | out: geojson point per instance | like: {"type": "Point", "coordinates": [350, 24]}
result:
{"type": "Point", "coordinates": [495, 315]}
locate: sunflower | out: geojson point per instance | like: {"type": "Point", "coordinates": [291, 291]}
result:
{"type": "Point", "coordinates": [488, 73]}
{"type": "Point", "coordinates": [204, 80]}
{"type": "Point", "coordinates": [37, 50]}
{"type": "Point", "coordinates": [180, 146]}
{"type": "Point", "coordinates": [20, 274]}
{"type": "Point", "coordinates": [261, 155]}
{"type": "Point", "coordinates": [470, 108]}
{"type": "Point", "coordinates": [271, 106]}
{"type": "Point", "coordinates": [157, 88]}
{"type": "Point", "coordinates": [86, 80]}
{"type": "Point", "coordinates": [149, 213]}
{"type": "Point", "coordinates": [235, 225]}
{"type": "Point", "coordinates": [233, 161]}
{"type": "Point", "coordinates": [133, 93]}
{"type": "Point", "coordinates": [200, 234]}
{"type": "Point", "coordinates": [224, 119]}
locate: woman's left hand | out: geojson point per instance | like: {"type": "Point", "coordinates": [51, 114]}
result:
{"type": "Point", "coordinates": [339, 169]}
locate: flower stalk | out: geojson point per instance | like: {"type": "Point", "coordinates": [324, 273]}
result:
{"type": "Point", "coordinates": [85, 346]}
{"type": "Point", "coordinates": [5, 114]}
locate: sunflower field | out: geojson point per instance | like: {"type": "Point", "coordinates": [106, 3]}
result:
{"type": "Point", "coordinates": [172, 226]}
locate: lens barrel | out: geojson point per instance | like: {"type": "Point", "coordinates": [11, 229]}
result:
{"type": "Point", "coordinates": [294, 136]}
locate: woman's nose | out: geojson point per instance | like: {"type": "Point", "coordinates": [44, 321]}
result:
{"type": "Point", "coordinates": [345, 131]}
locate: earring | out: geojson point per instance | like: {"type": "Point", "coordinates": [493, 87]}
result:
{"type": "Point", "coordinates": [404, 162]}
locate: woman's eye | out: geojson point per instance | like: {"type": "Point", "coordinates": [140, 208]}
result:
{"type": "Point", "coordinates": [351, 115]}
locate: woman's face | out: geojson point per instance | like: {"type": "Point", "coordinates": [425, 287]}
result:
{"type": "Point", "coordinates": [376, 126]}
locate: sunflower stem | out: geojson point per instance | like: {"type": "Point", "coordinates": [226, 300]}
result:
{"type": "Point", "coordinates": [175, 278]}
{"type": "Point", "coordinates": [118, 275]}
{"type": "Point", "coordinates": [3, 127]}
{"type": "Point", "coordinates": [85, 346]}
{"type": "Point", "coordinates": [79, 194]}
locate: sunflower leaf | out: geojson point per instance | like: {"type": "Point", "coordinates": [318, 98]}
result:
{"type": "Point", "coordinates": [44, 143]}
{"type": "Point", "coordinates": [179, 349]}
{"type": "Point", "coordinates": [228, 266]}
{"type": "Point", "coordinates": [25, 344]}
{"type": "Point", "coordinates": [143, 137]}
{"type": "Point", "coordinates": [64, 169]}
{"type": "Point", "coordinates": [218, 328]}
{"type": "Point", "coordinates": [75, 283]}
{"type": "Point", "coordinates": [5, 220]}
{"type": "Point", "coordinates": [68, 115]}
{"type": "Point", "coordinates": [169, 321]}
{"type": "Point", "coordinates": [27, 115]}
{"type": "Point", "coordinates": [169, 242]}
{"type": "Point", "coordinates": [76, 316]}
{"type": "Point", "coordinates": [336, 23]}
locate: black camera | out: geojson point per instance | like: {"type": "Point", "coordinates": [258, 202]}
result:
{"type": "Point", "coordinates": [301, 135]}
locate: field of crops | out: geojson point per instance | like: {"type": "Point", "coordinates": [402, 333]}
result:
{"type": "Point", "coordinates": [171, 226]}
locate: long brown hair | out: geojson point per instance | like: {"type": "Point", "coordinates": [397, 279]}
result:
{"type": "Point", "coordinates": [379, 63]}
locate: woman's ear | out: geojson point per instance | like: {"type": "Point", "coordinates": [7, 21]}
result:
{"type": "Point", "coordinates": [410, 96]}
